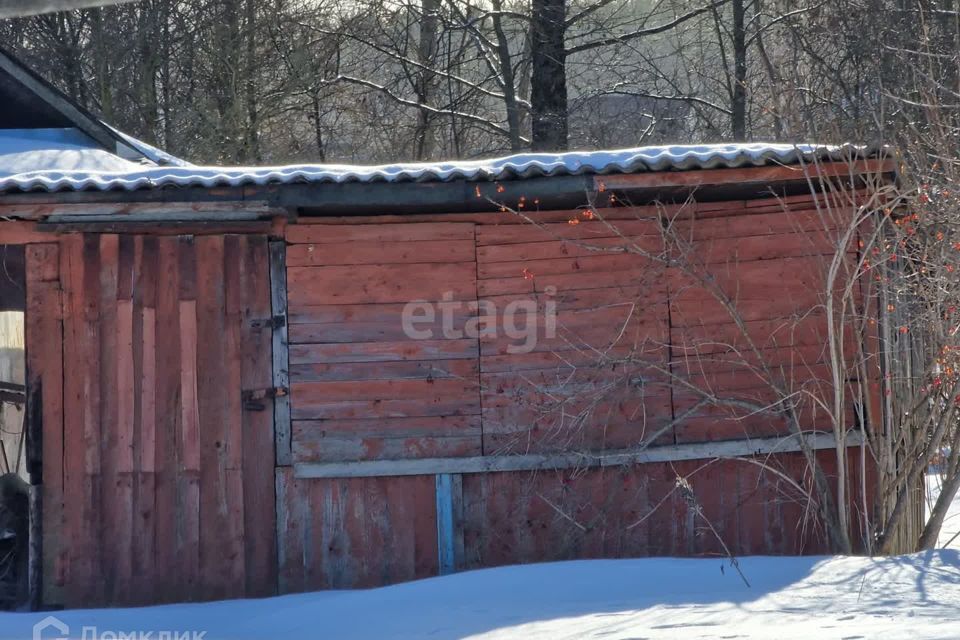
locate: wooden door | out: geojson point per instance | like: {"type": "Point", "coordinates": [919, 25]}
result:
{"type": "Point", "coordinates": [152, 356]}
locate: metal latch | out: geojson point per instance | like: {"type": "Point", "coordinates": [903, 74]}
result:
{"type": "Point", "coordinates": [253, 398]}
{"type": "Point", "coordinates": [275, 322]}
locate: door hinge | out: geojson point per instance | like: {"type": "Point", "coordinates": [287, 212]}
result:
{"type": "Point", "coordinates": [274, 322]}
{"type": "Point", "coordinates": [253, 399]}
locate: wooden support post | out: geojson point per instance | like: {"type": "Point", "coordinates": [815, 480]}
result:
{"type": "Point", "coordinates": [449, 522]}
{"type": "Point", "coordinates": [281, 355]}
{"type": "Point", "coordinates": [35, 552]}
{"type": "Point", "coordinates": [34, 436]}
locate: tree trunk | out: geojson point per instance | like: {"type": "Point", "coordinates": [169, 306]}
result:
{"type": "Point", "coordinates": [739, 98]}
{"type": "Point", "coordinates": [253, 121]}
{"type": "Point", "coordinates": [931, 531]}
{"type": "Point", "coordinates": [165, 79]}
{"type": "Point", "coordinates": [102, 66]}
{"type": "Point", "coordinates": [150, 62]}
{"type": "Point", "coordinates": [426, 54]}
{"type": "Point", "coordinates": [509, 80]}
{"type": "Point", "coordinates": [548, 85]}
{"type": "Point", "coordinates": [226, 83]}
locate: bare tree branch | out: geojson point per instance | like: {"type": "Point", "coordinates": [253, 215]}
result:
{"type": "Point", "coordinates": [647, 31]}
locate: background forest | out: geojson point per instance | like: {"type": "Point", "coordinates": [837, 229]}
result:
{"type": "Point", "coordinates": [362, 81]}
{"type": "Point", "coordinates": [374, 81]}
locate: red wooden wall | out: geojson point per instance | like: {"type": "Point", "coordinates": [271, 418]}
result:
{"type": "Point", "coordinates": [158, 479]}
{"type": "Point", "coordinates": [360, 388]}
{"type": "Point", "coordinates": [159, 474]}
{"type": "Point", "coordinates": [626, 323]}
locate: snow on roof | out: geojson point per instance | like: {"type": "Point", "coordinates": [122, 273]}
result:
{"type": "Point", "coordinates": [39, 169]}
{"type": "Point", "coordinates": [35, 151]}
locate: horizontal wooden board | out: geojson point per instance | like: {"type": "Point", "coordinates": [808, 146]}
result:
{"type": "Point", "coordinates": [565, 361]}
{"type": "Point", "coordinates": [804, 174]}
{"type": "Point", "coordinates": [487, 255]}
{"type": "Point", "coordinates": [421, 322]}
{"type": "Point", "coordinates": [360, 284]}
{"type": "Point", "coordinates": [384, 351]}
{"type": "Point", "coordinates": [430, 231]}
{"type": "Point", "coordinates": [344, 448]}
{"type": "Point", "coordinates": [366, 313]}
{"type": "Point", "coordinates": [536, 268]}
{"type": "Point", "coordinates": [583, 230]}
{"type": "Point", "coordinates": [380, 252]}
{"type": "Point", "coordinates": [649, 297]}
{"type": "Point", "coordinates": [775, 223]}
{"type": "Point", "coordinates": [381, 389]}
{"type": "Point", "coordinates": [751, 280]}
{"type": "Point", "coordinates": [778, 333]}
{"type": "Point", "coordinates": [538, 422]}
{"type": "Point", "coordinates": [699, 309]}
{"type": "Point", "coordinates": [747, 249]}
{"type": "Point", "coordinates": [420, 427]}
{"type": "Point", "coordinates": [386, 438]}
{"type": "Point", "coordinates": [397, 370]}
{"type": "Point", "coordinates": [582, 460]}
{"type": "Point", "coordinates": [309, 407]}
{"type": "Point", "coordinates": [639, 276]}
{"type": "Point", "coordinates": [748, 362]}
{"type": "Point", "coordinates": [383, 398]}
{"type": "Point", "coordinates": [643, 334]}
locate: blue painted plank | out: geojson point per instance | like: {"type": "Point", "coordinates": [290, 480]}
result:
{"type": "Point", "coordinates": [446, 547]}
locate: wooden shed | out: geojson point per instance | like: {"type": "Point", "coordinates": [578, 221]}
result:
{"type": "Point", "coordinates": [251, 381]}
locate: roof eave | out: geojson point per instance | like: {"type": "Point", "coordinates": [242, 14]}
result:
{"type": "Point", "coordinates": [365, 199]}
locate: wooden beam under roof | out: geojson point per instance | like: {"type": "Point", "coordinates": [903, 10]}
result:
{"type": "Point", "coordinates": [24, 8]}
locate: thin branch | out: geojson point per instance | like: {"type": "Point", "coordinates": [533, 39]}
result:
{"type": "Point", "coordinates": [648, 31]}
{"type": "Point", "coordinates": [419, 105]}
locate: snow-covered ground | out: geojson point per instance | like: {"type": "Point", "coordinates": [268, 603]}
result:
{"type": "Point", "coordinates": [915, 596]}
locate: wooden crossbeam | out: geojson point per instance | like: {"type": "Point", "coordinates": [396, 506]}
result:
{"type": "Point", "coordinates": [24, 8]}
{"type": "Point", "coordinates": [530, 462]}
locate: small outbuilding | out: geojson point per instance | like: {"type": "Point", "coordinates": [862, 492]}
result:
{"type": "Point", "coordinates": [244, 381]}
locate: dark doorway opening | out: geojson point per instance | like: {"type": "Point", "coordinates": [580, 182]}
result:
{"type": "Point", "coordinates": [15, 464]}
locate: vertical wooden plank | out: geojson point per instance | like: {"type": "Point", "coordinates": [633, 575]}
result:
{"type": "Point", "coordinates": [444, 522]}
{"type": "Point", "coordinates": [74, 500]}
{"type": "Point", "coordinates": [80, 276]}
{"type": "Point", "coordinates": [291, 523]}
{"type": "Point", "coordinates": [167, 423]}
{"type": "Point", "coordinates": [93, 279]}
{"type": "Point", "coordinates": [449, 509]}
{"type": "Point", "coordinates": [229, 390]}
{"type": "Point", "coordinates": [188, 502]}
{"type": "Point", "coordinates": [281, 357]}
{"type": "Point", "coordinates": [211, 376]}
{"type": "Point", "coordinates": [256, 339]}
{"type": "Point", "coordinates": [44, 342]}
{"type": "Point", "coordinates": [120, 441]}
{"type": "Point", "coordinates": [143, 452]}
{"type": "Point", "coordinates": [35, 549]}
{"type": "Point", "coordinates": [112, 530]}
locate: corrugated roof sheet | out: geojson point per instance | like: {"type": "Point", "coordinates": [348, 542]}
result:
{"type": "Point", "coordinates": [49, 177]}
